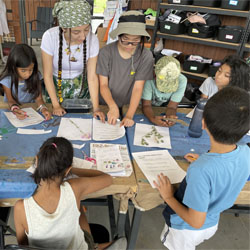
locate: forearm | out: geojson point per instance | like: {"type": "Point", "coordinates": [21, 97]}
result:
{"type": "Point", "coordinates": [48, 80]}
{"type": "Point", "coordinates": [86, 172]}
{"type": "Point", "coordinates": [39, 100]}
{"type": "Point", "coordinates": [94, 93]}
{"type": "Point", "coordinates": [148, 112]}
{"type": "Point", "coordinates": [134, 101]}
{"type": "Point", "coordinates": [107, 96]}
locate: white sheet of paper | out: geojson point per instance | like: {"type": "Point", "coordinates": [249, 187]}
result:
{"type": "Point", "coordinates": [109, 160]}
{"type": "Point", "coordinates": [124, 154]}
{"type": "Point", "coordinates": [107, 132]}
{"type": "Point", "coordinates": [32, 131]}
{"type": "Point", "coordinates": [31, 169]}
{"type": "Point", "coordinates": [142, 129]}
{"type": "Point", "coordinates": [75, 129]}
{"type": "Point", "coordinates": [155, 162]}
{"type": "Point", "coordinates": [81, 163]}
{"type": "Point", "coordinates": [190, 114]}
{"type": "Point", "coordinates": [32, 119]}
{"type": "Point", "coordinates": [78, 146]}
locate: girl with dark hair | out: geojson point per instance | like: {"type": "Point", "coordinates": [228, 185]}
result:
{"type": "Point", "coordinates": [233, 71]}
{"type": "Point", "coordinates": [69, 55]}
{"type": "Point", "coordinates": [124, 66]}
{"type": "Point", "coordinates": [53, 217]}
{"type": "Point", "coordinates": [21, 81]}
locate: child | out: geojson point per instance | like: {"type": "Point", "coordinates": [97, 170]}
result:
{"type": "Point", "coordinates": [124, 66]}
{"type": "Point", "coordinates": [69, 55]}
{"type": "Point", "coordinates": [21, 81]}
{"type": "Point", "coordinates": [234, 71]}
{"type": "Point", "coordinates": [169, 86]}
{"type": "Point", "coordinates": [215, 179]}
{"type": "Point", "coordinates": [52, 218]}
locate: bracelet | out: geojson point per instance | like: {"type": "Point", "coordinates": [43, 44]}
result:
{"type": "Point", "coordinates": [14, 106]}
{"type": "Point", "coordinates": [42, 106]}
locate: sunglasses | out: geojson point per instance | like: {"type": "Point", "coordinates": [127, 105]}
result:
{"type": "Point", "coordinates": [127, 43]}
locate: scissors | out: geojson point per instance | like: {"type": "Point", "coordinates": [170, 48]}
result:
{"type": "Point", "coordinates": [88, 158]}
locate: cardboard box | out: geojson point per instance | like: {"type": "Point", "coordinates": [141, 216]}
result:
{"type": "Point", "coordinates": [100, 34]}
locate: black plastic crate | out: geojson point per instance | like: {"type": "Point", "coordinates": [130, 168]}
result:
{"type": "Point", "coordinates": [207, 3]}
{"type": "Point", "coordinates": [201, 30]}
{"type": "Point", "coordinates": [183, 2]}
{"type": "Point", "coordinates": [231, 34]}
{"type": "Point", "coordinates": [212, 68]}
{"type": "Point", "coordinates": [235, 4]}
{"type": "Point", "coordinates": [194, 66]}
{"type": "Point", "coordinates": [172, 28]}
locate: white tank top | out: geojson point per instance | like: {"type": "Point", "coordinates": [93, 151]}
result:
{"type": "Point", "coordinates": [60, 230]}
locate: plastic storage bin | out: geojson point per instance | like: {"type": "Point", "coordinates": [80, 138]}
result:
{"type": "Point", "coordinates": [208, 3]}
{"type": "Point", "coordinates": [231, 34]}
{"type": "Point", "coordinates": [172, 28]}
{"type": "Point", "coordinates": [193, 66]}
{"type": "Point", "coordinates": [212, 68]}
{"type": "Point", "coordinates": [183, 2]}
{"type": "Point", "coordinates": [77, 105]}
{"type": "Point", "coordinates": [235, 4]}
{"type": "Point", "coordinates": [201, 30]}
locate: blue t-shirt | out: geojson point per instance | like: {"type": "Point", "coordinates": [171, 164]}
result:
{"type": "Point", "coordinates": [23, 96]}
{"type": "Point", "coordinates": [212, 184]}
{"type": "Point", "coordinates": [151, 93]}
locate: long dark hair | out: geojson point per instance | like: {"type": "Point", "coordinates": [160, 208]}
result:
{"type": "Point", "coordinates": [60, 55]}
{"type": "Point", "coordinates": [53, 159]}
{"type": "Point", "coordinates": [21, 56]}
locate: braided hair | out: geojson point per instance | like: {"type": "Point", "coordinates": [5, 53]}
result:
{"type": "Point", "coordinates": [60, 55]}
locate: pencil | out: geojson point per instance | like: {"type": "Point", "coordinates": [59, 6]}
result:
{"type": "Point", "coordinates": [76, 126]}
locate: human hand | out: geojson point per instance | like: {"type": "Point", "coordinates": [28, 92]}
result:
{"type": "Point", "coordinates": [99, 114]}
{"type": "Point", "coordinates": [190, 157]}
{"type": "Point", "coordinates": [113, 115]}
{"type": "Point", "coordinates": [46, 114]}
{"type": "Point", "coordinates": [58, 110]}
{"type": "Point", "coordinates": [20, 114]}
{"type": "Point", "coordinates": [127, 122]}
{"type": "Point", "coordinates": [164, 186]}
{"type": "Point", "coordinates": [159, 121]}
{"type": "Point", "coordinates": [169, 122]}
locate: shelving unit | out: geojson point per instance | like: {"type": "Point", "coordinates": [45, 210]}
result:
{"type": "Point", "coordinates": [240, 48]}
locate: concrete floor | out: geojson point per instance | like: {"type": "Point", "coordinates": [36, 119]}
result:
{"type": "Point", "coordinates": [233, 232]}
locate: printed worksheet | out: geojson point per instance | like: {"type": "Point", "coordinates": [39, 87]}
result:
{"type": "Point", "coordinates": [123, 151]}
{"type": "Point", "coordinates": [107, 132]}
{"type": "Point", "coordinates": [108, 162]}
{"type": "Point", "coordinates": [75, 129]}
{"type": "Point", "coordinates": [151, 136]}
{"type": "Point", "coordinates": [32, 118]}
{"type": "Point", "coordinates": [155, 162]}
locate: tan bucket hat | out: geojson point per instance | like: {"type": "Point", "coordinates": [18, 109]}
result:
{"type": "Point", "coordinates": [132, 23]}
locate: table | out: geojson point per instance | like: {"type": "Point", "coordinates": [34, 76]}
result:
{"type": "Point", "coordinates": [17, 154]}
{"type": "Point", "coordinates": [148, 198]}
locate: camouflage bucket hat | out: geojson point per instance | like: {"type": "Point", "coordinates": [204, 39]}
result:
{"type": "Point", "coordinates": [132, 23]}
{"type": "Point", "coordinates": [167, 71]}
{"type": "Point", "coordinates": [72, 14]}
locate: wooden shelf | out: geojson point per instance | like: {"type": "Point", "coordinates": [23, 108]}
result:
{"type": "Point", "coordinates": [198, 76]}
{"type": "Point", "coordinates": [213, 10]}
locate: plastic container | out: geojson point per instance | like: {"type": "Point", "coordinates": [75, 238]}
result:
{"type": "Point", "coordinates": [212, 69]}
{"type": "Point", "coordinates": [235, 4]}
{"type": "Point", "coordinates": [201, 30]}
{"type": "Point", "coordinates": [231, 34]}
{"type": "Point", "coordinates": [193, 66]}
{"type": "Point", "coordinates": [208, 3]}
{"type": "Point", "coordinates": [172, 28]}
{"type": "Point", "coordinates": [195, 127]}
{"type": "Point", "coordinates": [77, 105]}
{"type": "Point", "coordinates": [183, 2]}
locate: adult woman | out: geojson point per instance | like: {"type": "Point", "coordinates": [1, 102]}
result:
{"type": "Point", "coordinates": [124, 66]}
{"type": "Point", "coordinates": [68, 53]}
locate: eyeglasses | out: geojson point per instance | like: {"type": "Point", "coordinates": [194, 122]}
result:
{"type": "Point", "coordinates": [127, 43]}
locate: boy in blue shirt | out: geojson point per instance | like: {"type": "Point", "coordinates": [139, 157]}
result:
{"type": "Point", "coordinates": [215, 179]}
{"type": "Point", "coordinates": [168, 87]}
